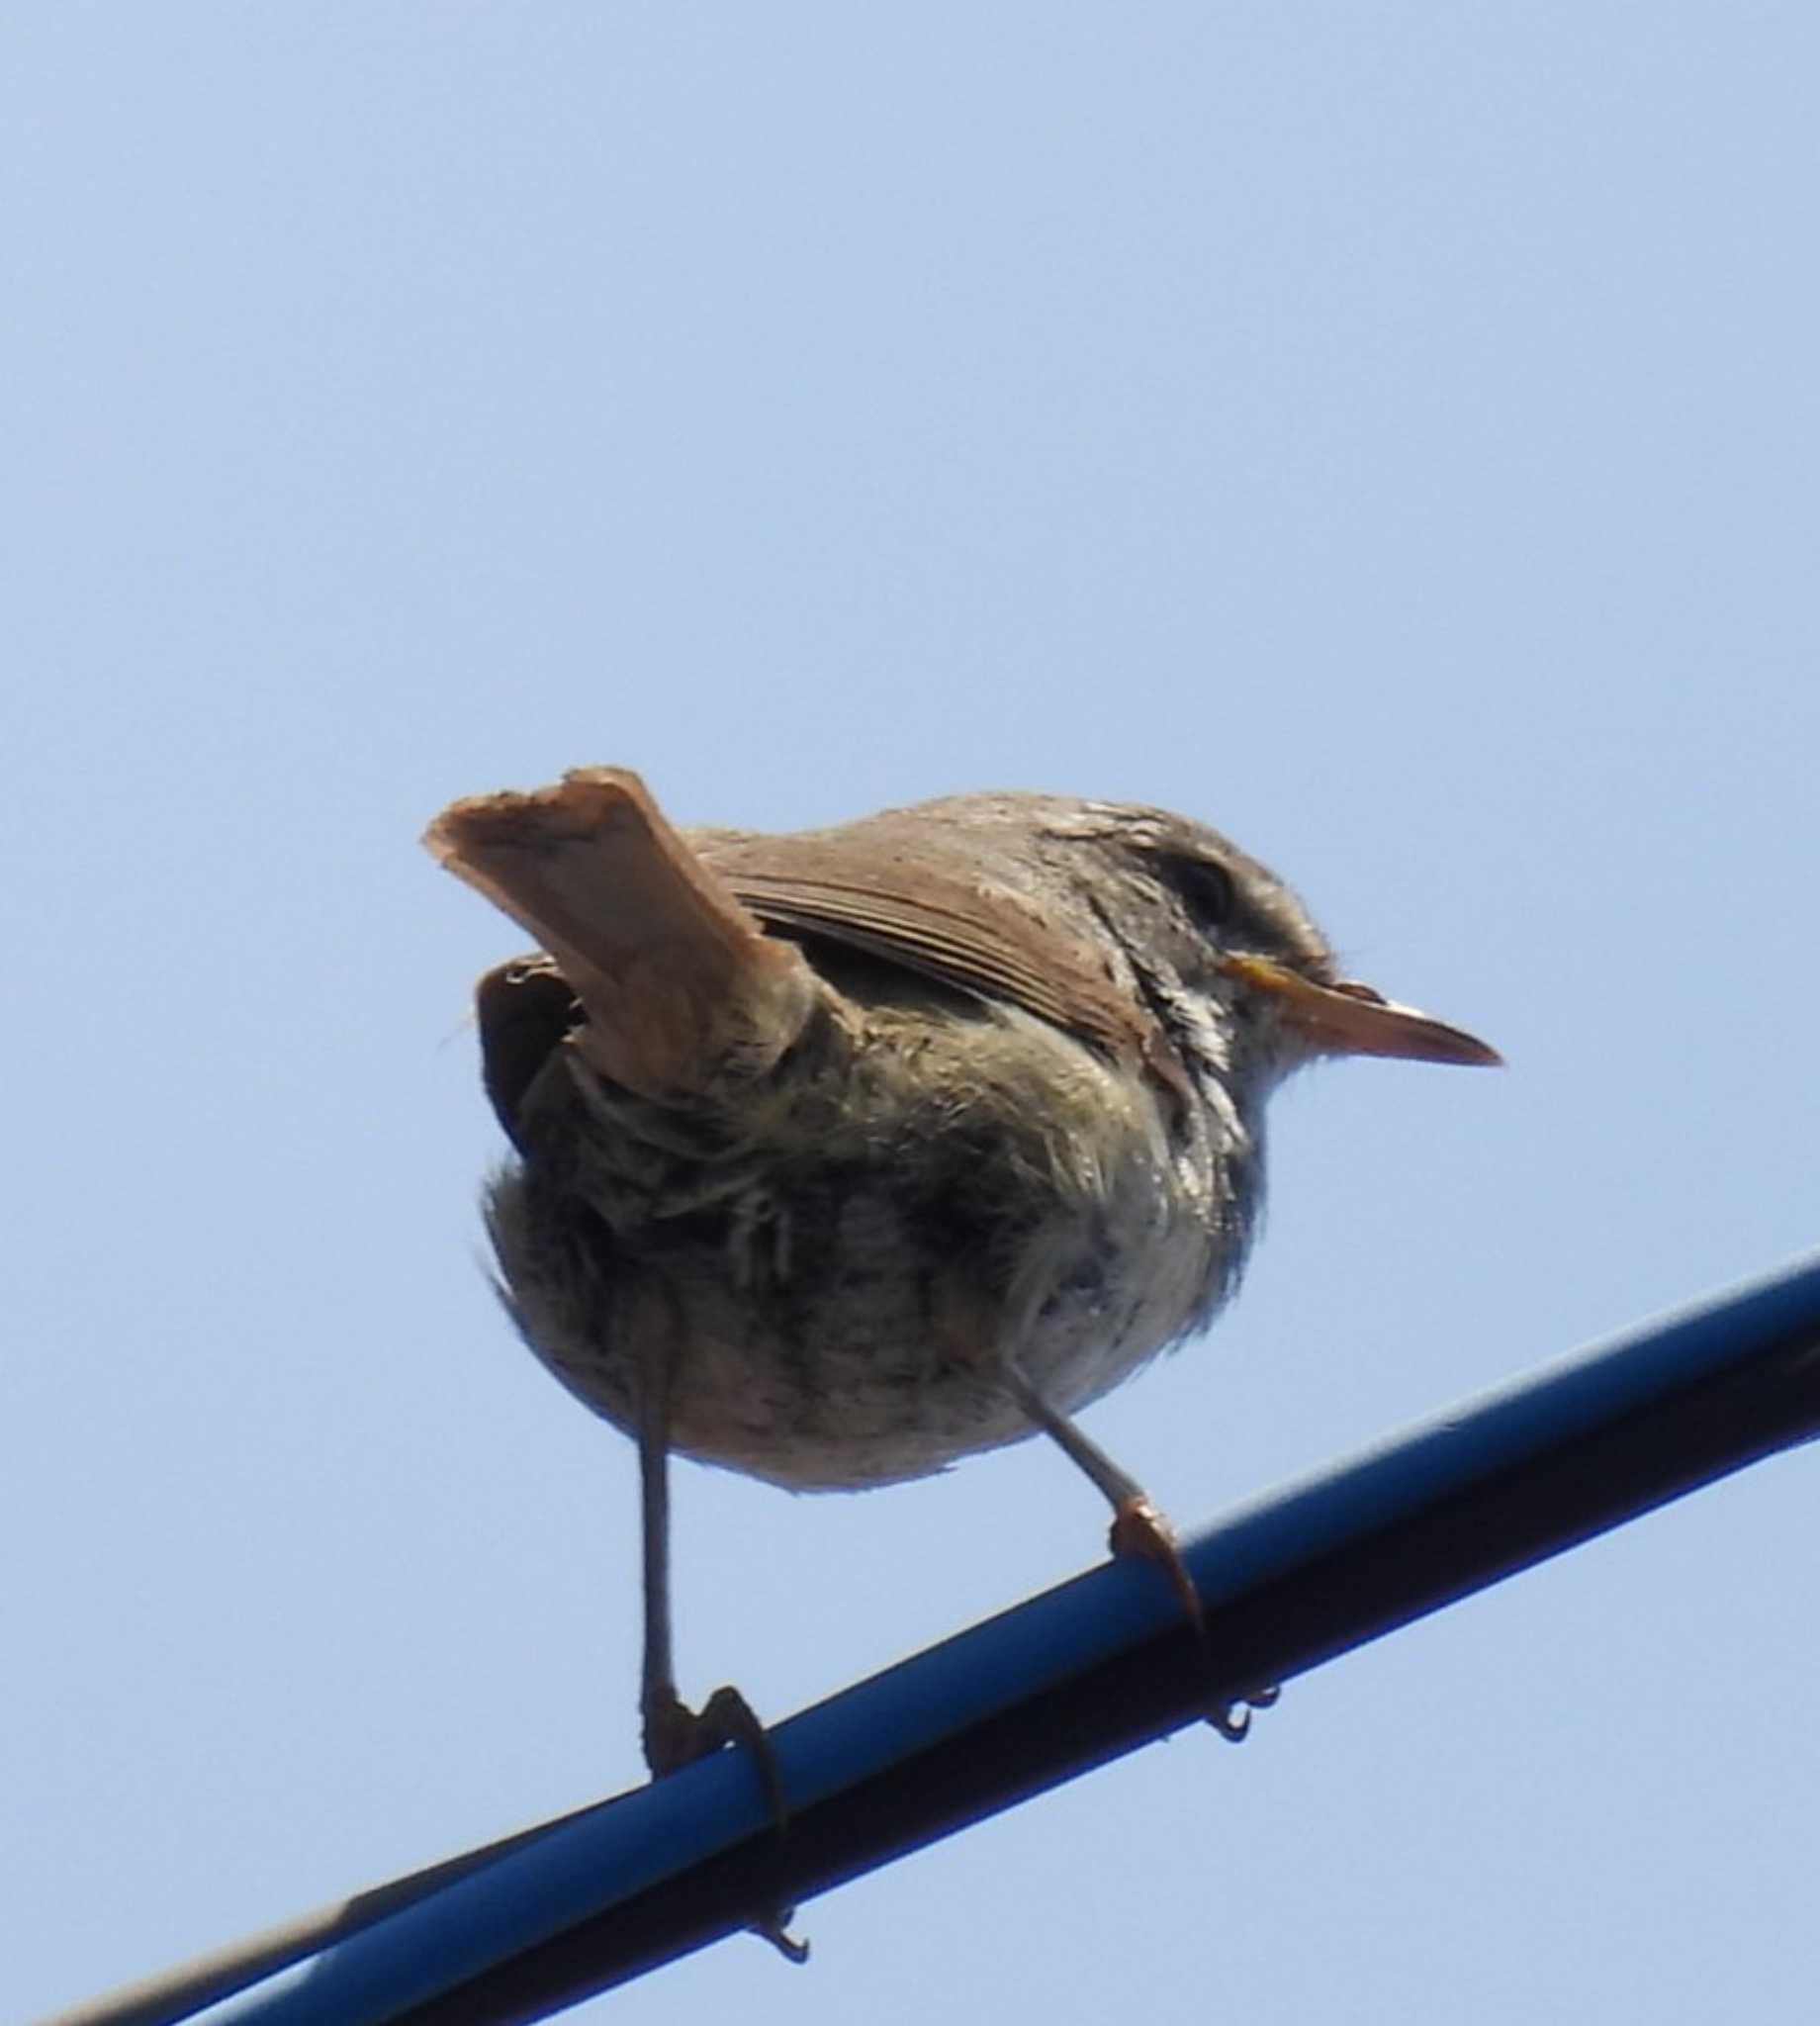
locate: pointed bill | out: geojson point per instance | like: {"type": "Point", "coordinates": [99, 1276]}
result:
{"type": "Point", "coordinates": [1351, 1019]}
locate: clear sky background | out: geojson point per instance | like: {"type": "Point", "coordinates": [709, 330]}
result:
{"type": "Point", "coordinates": [1387, 432]}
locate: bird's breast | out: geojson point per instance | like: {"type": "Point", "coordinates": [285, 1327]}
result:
{"type": "Point", "coordinates": [852, 1249]}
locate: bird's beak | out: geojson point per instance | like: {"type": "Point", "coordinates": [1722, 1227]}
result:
{"type": "Point", "coordinates": [1352, 1020]}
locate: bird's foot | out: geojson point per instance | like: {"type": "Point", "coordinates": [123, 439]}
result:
{"type": "Point", "coordinates": [676, 1736]}
{"type": "Point", "coordinates": [1140, 1531]}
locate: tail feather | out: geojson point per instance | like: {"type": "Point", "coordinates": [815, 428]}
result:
{"type": "Point", "coordinates": [679, 980]}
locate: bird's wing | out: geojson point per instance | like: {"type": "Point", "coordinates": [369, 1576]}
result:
{"type": "Point", "coordinates": [965, 932]}
{"type": "Point", "coordinates": [662, 936]}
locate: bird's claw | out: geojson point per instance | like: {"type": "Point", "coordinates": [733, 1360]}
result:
{"type": "Point", "coordinates": [676, 1736]}
{"type": "Point", "coordinates": [1232, 1720]}
{"type": "Point", "coordinates": [1140, 1530]}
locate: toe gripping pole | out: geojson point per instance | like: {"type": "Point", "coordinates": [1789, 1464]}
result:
{"type": "Point", "coordinates": [1049, 1690]}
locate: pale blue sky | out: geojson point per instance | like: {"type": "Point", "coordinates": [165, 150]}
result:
{"type": "Point", "coordinates": [1387, 434]}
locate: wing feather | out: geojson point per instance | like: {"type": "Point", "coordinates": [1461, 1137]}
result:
{"type": "Point", "coordinates": [965, 933]}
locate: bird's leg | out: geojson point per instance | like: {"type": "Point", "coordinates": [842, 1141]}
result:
{"type": "Point", "coordinates": [1138, 1530]}
{"type": "Point", "coordinates": [675, 1735]}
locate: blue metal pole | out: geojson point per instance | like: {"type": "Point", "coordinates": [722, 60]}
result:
{"type": "Point", "coordinates": [1075, 1677]}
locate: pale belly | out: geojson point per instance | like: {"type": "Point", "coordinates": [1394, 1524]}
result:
{"type": "Point", "coordinates": [839, 1287]}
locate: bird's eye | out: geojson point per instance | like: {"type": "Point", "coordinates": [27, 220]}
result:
{"type": "Point", "coordinates": [1207, 891]}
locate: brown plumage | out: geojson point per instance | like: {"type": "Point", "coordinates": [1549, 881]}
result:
{"type": "Point", "coordinates": [843, 1155]}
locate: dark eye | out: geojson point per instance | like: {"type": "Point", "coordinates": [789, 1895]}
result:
{"type": "Point", "coordinates": [1207, 891]}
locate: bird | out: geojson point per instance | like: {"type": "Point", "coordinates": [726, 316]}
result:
{"type": "Point", "coordinates": [839, 1155]}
